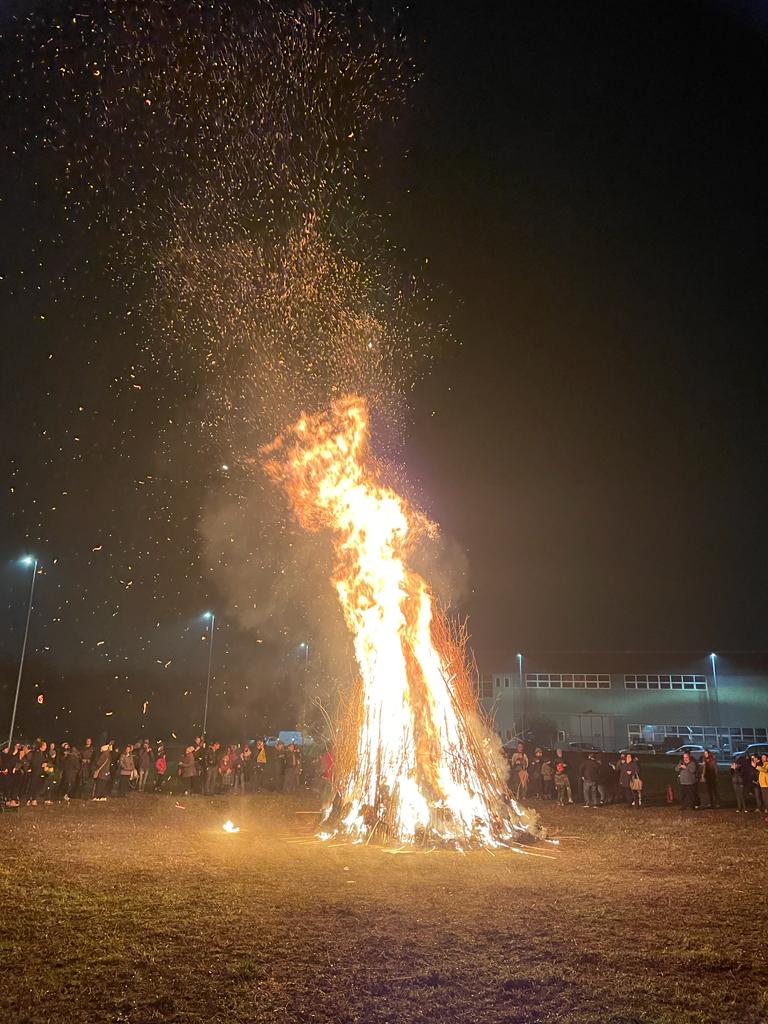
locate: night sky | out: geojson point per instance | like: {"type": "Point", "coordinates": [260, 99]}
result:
{"type": "Point", "coordinates": [582, 187]}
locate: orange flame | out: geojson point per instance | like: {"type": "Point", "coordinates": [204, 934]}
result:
{"type": "Point", "coordinates": [420, 764]}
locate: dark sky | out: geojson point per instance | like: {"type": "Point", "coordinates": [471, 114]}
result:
{"type": "Point", "coordinates": [588, 184]}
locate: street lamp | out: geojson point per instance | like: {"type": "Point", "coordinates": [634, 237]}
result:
{"type": "Point", "coordinates": [715, 694]}
{"type": "Point", "coordinates": [211, 626]}
{"type": "Point", "coordinates": [29, 560]}
{"type": "Point", "coordinates": [304, 646]}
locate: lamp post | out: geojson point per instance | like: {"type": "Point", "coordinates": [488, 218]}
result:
{"type": "Point", "coordinates": [716, 697]}
{"type": "Point", "coordinates": [211, 626]}
{"type": "Point", "coordinates": [523, 696]}
{"type": "Point", "coordinates": [29, 560]}
{"type": "Point", "coordinates": [304, 646]}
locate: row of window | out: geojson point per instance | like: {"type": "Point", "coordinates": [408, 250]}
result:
{"type": "Point", "coordinates": [567, 681]}
{"type": "Point", "coordinates": [725, 737]}
{"type": "Point", "coordinates": [665, 682]}
{"type": "Point", "coordinates": [591, 681]}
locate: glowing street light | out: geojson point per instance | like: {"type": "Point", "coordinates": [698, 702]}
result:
{"type": "Point", "coordinates": [211, 618]}
{"type": "Point", "coordinates": [304, 646]}
{"type": "Point", "coordinates": [26, 561]}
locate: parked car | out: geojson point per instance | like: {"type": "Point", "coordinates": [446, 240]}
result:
{"type": "Point", "coordinates": [639, 748]}
{"type": "Point", "coordinates": [579, 745]}
{"type": "Point", "coordinates": [692, 748]}
{"type": "Point", "coordinates": [753, 750]}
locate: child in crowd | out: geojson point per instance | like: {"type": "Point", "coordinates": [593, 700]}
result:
{"type": "Point", "coordinates": [563, 783]}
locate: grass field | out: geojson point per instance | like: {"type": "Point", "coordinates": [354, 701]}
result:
{"type": "Point", "coordinates": [143, 912]}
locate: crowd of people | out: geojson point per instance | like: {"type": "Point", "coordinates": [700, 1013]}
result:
{"type": "Point", "coordinates": [600, 779]}
{"type": "Point", "coordinates": [43, 772]}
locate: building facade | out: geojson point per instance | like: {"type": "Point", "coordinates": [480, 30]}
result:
{"type": "Point", "coordinates": [612, 698]}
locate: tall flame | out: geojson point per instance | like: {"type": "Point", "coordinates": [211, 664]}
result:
{"type": "Point", "coordinates": [417, 763]}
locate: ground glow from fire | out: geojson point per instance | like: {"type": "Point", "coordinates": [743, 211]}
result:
{"type": "Point", "coordinates": [415, 761]}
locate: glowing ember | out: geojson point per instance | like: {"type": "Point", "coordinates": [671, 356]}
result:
{"type": "Point", "coordinates": [228, 826]}
{"type": "Point", "coordinates": [415, 761]}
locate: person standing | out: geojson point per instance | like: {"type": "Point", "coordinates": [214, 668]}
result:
{"type": "Point", "coordinates": [292, 768]}
{"type": "Point", "coordinates": [38, 764]}
{"type": "Point", "coordinates": [590, 773]}
{"type": "Point", "coordinates": [762, 782]}
{"type": "Point", "coordinates": [741, 780]}
{"type": "Point", "coordinates": [280, 766]}
{"type": "Point", "coordinates": [227, 769]}
{"type": "Point", "coordinates": [562, 784]}
{"type": "Point", "coordinates": [6, 772]}
{"type": "Point", "coordinates": [519, 765]}
{"type": "Point", "coordinates": [161, 767]}
{"type": "Point", "coordinates": [70, 769]}
{"type": "Point", "coordinates": [144, 764]}
{"type": "Point", "coordinates": [534, 774]}
{"type": "Point", "coordinates": [260, 765]}
{"type": "Point", "coordinates": [127, 767]}
{"type": "Point", "coordinates": [688, 777]}
{"type": "Point", "coordinates": [85, 775]}
{"type": "Point", "coordinates": [211, 768]}
{"type": "Point", "coordinates": [547, 779]}
{"type": "Point", "coordinates": [102, 772]}
{"type": "Point", "coordinates": [606, 781]}
{"type": "Point", "coordinates": [630, 782]}
{"type": "Point", "coordinates": [238, 784]}
{"type": "Point", "coordinates": [188, 770]}
{"type": "Point", "coordinates": [709, 777]}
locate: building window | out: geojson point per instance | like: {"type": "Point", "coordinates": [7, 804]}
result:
{"type": "Point", "coordinates": [664, 682]}
{"type": "Point", "coordinates": [725, 737]}
{"type": "Point", "coordinates": [486, 686]}
{"type": "Point", "coordinates": [567, 681]}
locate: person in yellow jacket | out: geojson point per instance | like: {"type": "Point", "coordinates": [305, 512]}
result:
{"type": "Point", "coordinates": [762, 780]}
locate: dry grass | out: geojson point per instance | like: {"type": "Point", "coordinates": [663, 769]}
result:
{"type": "Point", "coordinates": [140, 912]}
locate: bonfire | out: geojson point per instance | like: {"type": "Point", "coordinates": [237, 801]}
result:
{"type": "Point", "coordinates": [415, 760]}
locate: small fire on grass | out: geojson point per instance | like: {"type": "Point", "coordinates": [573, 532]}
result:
{"type": "Point", "coordinates": [229, 826]}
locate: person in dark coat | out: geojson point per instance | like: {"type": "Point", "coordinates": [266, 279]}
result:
{"type": "Point", "coordinates": [36, 771]}
{"type": "Point", "coordinates": [688, 777]}
{"type": "Point", "coordinates": [292, 768]}
{"type": "Point", "coordinates": [102, 773]}
{"type": "Point", "coordinates": [85, 775]}
{"type": "Point", "coordinates": [211, 767]}
{"type": "Point", "coordinates": [70, 769]}
{"type": "Point", "coordinates": [590, 774]}
{"type": "Point", "coordinates": [280, 765]}
{"type": "Point", "coordinates": [17, 777]}
{"type": "Point", "coordinates": [606, 781]}
{"type": "Point", "coordinates": [628, 773]}
{"type": "Point", "coordinates": [741, 780]}
{"type": "Point", "coordinates": [709, 775]}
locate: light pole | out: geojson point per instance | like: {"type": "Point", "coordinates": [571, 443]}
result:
{"type": "Point", "coordinates": [29, 560]}
{"type": "Point", "coordinates": [211, 626]}
{"type": "Point", "coordinates": [716, 696]}
{"type": "Point", "coordinates": [304, 646]}
{"type": "Point", "coordinates": [522, 691]}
